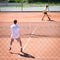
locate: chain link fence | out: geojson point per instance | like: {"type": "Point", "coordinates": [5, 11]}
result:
{"type": "Point", "coordinates": [31, 6]}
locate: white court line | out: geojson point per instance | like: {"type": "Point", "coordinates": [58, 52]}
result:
{"type": "Point", "coordinates": [26, 43]}
{"type": "Point", "coordinates": [30, 37]}
{"type": "Point", "coordinates": [48, 57]}
{"type": "Point", "coordinates": [34, 56]}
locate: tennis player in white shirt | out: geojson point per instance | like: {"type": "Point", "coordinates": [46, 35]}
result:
{"type": "Point", "coordinates": [45, 13]}
{"type": "Point", "coordinates": [15, 34]}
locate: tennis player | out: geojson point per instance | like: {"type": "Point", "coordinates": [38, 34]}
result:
{"type": "Point", "coordinates": [45, 13]}
{"type": "Point", "coordinates": [15, 34]}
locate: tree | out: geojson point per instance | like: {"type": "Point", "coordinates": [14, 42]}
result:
{"type": "Point", "coordinates": [17, 1]}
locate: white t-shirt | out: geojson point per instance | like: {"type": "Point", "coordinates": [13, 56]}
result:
{"type": "Point", "coordinates": [15, 31]}
{"type": "Point", "coordinates": [45, 8]}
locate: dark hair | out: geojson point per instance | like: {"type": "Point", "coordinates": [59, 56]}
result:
{"type": "Point", "coordinates": [46, 5]}
{"type": "Point", "coordinates": [15, 21]}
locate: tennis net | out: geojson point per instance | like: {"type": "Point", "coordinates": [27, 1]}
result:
{"type": "Point", "coordinates": [34, 29]}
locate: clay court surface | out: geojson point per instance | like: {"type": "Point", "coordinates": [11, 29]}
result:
{"type": "Point", "coordinates": [41, 39]}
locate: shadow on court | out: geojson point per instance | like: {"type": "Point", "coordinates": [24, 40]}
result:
{"type": "Point", "coordinates": [23, 54]}
{"type": "Point", "coordinates": [50, 20]}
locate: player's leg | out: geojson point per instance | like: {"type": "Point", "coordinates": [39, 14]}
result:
{"type": "Point", "coordinates": [20, 42]}
{"type": "Point", "coordinates": [11, 43]}
{"type": "Point", "coordinates": [48, 17]}
{"type": "Point", "coordinates": [43, 17]}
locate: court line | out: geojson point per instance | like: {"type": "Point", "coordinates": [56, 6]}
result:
{"type": "Point", "coordinates": [26, 43]}
{"type": "Point", "coordinates": [27, 57]}
{"type": "Point", "coordinates": [29, 38]}
{"type": "Point", "coordinates": [48, 57]}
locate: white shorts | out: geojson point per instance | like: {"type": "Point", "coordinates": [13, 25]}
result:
{"type": "Point", "coordinates": [15, 36]}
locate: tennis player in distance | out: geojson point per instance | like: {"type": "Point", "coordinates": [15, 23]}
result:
{"type": "Point", "coordinates": [15, 35]}
{"type": "Point", "coordinates": [45, 13]}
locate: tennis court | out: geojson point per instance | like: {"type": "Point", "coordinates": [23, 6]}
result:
{"type": "Point", "coordinates": [41, 39]}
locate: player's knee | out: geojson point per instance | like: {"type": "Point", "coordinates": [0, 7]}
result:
{"type": "Point", "coordinates": [12, 40]}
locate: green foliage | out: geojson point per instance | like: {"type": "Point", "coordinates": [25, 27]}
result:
{"type": "Point", "coordinates": [11, 1]}
{"type": "Point", "coordinates": [32, 1]}
{"type": "Point", "coordinates": [55, 1]}
{"type": "Point", "coordinates": [17, 1]}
